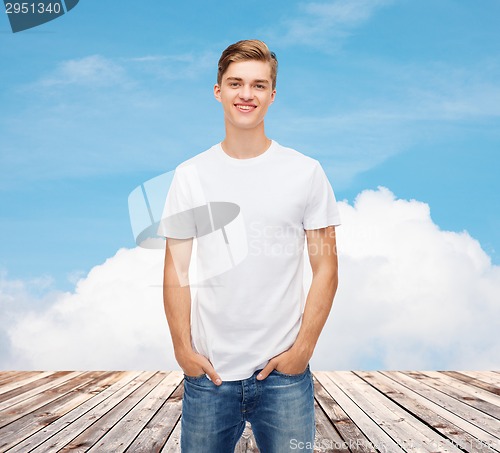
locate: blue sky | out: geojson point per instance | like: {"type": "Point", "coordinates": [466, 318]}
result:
{"type": "Point", "coordinates": [400, 94]}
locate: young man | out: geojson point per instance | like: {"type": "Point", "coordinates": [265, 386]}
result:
{"type": "Point", "coordinates": [245, 339]}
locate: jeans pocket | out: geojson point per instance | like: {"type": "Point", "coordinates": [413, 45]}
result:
{"type": "Point", "coordinates": [194, 378]}
{"type": "Point", "coordinates": [279, 373]}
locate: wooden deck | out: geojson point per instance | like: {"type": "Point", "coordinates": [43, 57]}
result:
{"type": "Point", "coordinates": [361, 411]}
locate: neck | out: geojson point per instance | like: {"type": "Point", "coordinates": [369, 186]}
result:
{"type": "Point", "coordinates": [245, 143]}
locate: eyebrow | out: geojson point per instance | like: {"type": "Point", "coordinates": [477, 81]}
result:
{"type": "Point", "coordinates": [239, 79]}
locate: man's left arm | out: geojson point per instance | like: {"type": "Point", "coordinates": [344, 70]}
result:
{"type": "Point", "coordinates": [322, 250]}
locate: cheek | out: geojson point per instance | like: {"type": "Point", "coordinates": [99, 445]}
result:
{"type": "Point", "coordinates": [223, 100]}
{"type": "Point", "coordinates": [269, 102]}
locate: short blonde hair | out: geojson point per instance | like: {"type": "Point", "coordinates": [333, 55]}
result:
{"type": "Point", "coordinates": [248, 49]}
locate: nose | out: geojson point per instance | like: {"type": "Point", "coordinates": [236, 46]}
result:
{"type": "Point", "coordinates": [246, 92]}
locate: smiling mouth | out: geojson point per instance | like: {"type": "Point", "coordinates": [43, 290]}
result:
{"type": "Point", "coordinates": [245, 108]}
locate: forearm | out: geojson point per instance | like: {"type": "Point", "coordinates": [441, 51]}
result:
{"type": "Point", "coordinates": [177, 294]}
{"type": "Point", "coordinates": [177, 305]}
{"type": "Point", "coordinates": [316, 311]}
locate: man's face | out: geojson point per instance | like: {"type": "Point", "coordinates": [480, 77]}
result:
{"type": "Point", "coordinates": [246, 93]}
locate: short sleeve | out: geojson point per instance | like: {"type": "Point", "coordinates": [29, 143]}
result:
{"type": "Point", "coordinates": [321, 208]}
{"type": "Point", "coordinates": [178, 220]}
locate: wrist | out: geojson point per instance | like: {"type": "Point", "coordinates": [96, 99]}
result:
{"type": "Point", "coordinates": [303, 349]}
{"type": "Point", "coordinates": [181, 352]}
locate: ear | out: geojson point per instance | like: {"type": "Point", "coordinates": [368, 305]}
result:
{"type": "Point", "coordinates": [273, 96]}
{"type": "Point", "coordinates": [217, 92]}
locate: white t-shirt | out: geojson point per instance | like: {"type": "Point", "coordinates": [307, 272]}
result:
{"type": "Point", "coordinates": [248, 217]}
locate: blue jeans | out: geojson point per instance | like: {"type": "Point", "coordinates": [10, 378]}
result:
{"type": "Point", "coordinates": [280, 410]}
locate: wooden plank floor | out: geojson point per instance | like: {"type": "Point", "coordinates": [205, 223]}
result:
{"type": "Point", "coordinates": [360, 411]}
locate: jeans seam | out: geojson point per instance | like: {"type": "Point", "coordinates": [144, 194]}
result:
{"type": "Point", "coordinates": [234, 435]}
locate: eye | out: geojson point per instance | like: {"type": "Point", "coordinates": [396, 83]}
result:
{"type": "Point", "coordinates": [233, 84]}
{"type": "Point", "coordinates": [260, 87]}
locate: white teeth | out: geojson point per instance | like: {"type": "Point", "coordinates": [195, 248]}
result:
{"type": "Point", "coordinates": [244, 107]}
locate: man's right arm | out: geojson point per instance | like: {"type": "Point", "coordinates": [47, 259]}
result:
{"type": "Point", "coordinates": [177, 304]}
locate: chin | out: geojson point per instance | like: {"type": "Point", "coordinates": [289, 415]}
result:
{"type": "Point", "coordinates": [251, 124]}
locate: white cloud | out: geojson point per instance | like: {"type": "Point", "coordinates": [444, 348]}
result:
{"type": "Point", "coordinates": [93, 70]}
{"type": "Point", "coordinates": [324, 24]}
{"type": "Point", "coordinates": [428, 104]}
{"type": "Point", "coordinates": [119, 101]}
{"type": "Point", "coordinates": [441, 91]}
{"type": "Point", "coordinates": [177, 66]}
{"type": "Point", "coordinates": [102, 109]}
{"type": "Point", "coordinates": [353, 142]}
{"type": "Point", "coordinates": [411, 296]}
{"type": "Point", "coordinates": [113, 320]}
{"type": "Point", "coordinates": [97, 71]}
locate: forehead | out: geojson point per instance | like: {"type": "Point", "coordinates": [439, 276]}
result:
{"type": "Point", "coordinates": [249, 70]}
